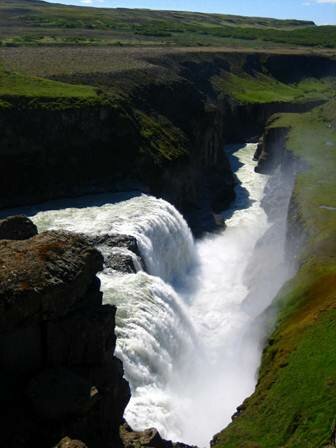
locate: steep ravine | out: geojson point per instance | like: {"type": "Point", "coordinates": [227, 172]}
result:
{"type": "Point", "coordinates": [135, 137]}
{"type": "Point", "coordinates": [179, 281]}
{"type": "Point", "coordinates": [209, 298]}
{"type": "Point", "coordinates": [293, 403]}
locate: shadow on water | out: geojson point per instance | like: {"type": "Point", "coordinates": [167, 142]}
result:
{"type": "Point", "coordinates": [242, 200]}
{"type": "Point", "coordinates": [93, 200]}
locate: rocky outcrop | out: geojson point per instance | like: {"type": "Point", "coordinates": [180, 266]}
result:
{"type": "Point", "coordinates": [270, 150]}
{"type": "Point", "coordinates": [17, 228]}
{"type": "Point", "coordinates": [59, 378]}
{"type": "Point", "coordinates": [148, 438]}
{"type": "Point", "coordinates": [123, 253]}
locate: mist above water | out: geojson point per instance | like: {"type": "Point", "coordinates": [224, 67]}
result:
{"type": "Point", "coordinates": [189, 330]}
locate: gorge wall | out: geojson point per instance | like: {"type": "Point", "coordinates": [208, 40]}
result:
{"type": "Point", "coordinates": [162, 134]}
{"type": "Point", "coordinates": [297, 370]}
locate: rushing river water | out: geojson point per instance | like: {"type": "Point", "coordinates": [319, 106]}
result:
{"type": "Point", "coordinates": [187, 339]}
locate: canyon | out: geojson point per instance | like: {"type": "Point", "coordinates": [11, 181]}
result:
{"type": "Point", "coordinates": [166, 275]}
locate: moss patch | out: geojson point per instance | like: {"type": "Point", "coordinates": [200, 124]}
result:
{"type": "Point", "coordinates": [160, 138]}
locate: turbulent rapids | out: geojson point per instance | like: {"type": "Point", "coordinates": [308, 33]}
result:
{"type": "Point", "coordinates": [189, 328]}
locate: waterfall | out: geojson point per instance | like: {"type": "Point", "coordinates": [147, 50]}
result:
{"type": "Point", "coordinates": [163, 236]}
{"type": "Point", "coordinates": [186, 328]}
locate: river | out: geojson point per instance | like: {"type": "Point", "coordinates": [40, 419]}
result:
{"type": "Point", "coordinates": [189, 330]}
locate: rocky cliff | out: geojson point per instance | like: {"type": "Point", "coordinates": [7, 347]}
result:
{"type": "Point", "coordinates": [58, 374]}
{"type": "Point", "coordinates": [60, 382]}
{"type": "Point", "coordinates": [163, 132]}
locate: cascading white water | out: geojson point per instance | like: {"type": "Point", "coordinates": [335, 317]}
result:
{"type": "Point", "coordinates": [183, 330]}
{"type": "Point", "coordinates": [163, 236]}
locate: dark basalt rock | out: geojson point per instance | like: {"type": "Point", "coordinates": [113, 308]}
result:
{"type": "Point", "coordinates": [116, 240]}
{"type": "Point", "coordinates": [91, 332]}
{"type": "Point", "coordinates": [270, 150]}
{"type": "Point", "coordinates": [57, 343]}
{"type": "Point", "coordinates": [17, 228]}
{"type": "Point", "coordinates": [44, 277]}
{"type": "Point", "coordinates": [58, 394]}
{"type": "Point", "coordinates": [118, 261]}
{"type": "Point", "coordinates": [121, 262]}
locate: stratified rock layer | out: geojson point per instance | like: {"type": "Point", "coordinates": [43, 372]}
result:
{"type": "Point", "coordinates": [59, 378]}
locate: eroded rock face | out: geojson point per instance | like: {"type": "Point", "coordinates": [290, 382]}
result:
{"type": "Point", "coordinates": [44, 277]}
{"type": "Point", "coordinates": [17, 228]}
{"type": "Point", "coordinates": [57, 394]}
{"type": "Point", "coordinates": [59, 378]}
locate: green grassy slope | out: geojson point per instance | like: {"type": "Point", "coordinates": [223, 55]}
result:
{"type": "Point", "coordinates": [294, 403]}
{"type": "Point", "coordinates": [23, 85]}
{"type": "Point", "coordinates": [17, 89]}
{"type": "Point", "coordinates": [261, 88]}
{"type": "Point", "coordinates": [39, 23]}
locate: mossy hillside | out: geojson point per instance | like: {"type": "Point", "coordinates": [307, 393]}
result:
{"type": "Point", "coordinates": [293, 405]}
{"type": "Point", "coordinates": [261, 88]}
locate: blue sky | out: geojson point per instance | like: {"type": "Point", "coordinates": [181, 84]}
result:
{"type": "Point", "coordinates": [321, 11]}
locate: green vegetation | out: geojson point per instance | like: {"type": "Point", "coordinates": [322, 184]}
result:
{"type": "Point", "coordinates": [262, 89]}
{"type": "Point", "coordinates": [161, 139]}
{"type": "Point", "coordinates": [27, 86]}
{"type": "Point", "coordinates": [36, 23]}
{"type": "Point", "coordinates": [293, 405]}
{"type": "Point", "coordinates": [24, 91]}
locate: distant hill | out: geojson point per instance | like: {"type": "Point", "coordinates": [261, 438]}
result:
{"type": "Point", "coordinates": [34, 22]}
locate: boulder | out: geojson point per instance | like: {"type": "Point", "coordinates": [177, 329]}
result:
{"type": "Point", "coordinates": [115, 240]}
{"type": "Point", "coordinates": [66, 442]}
{"type": "Point", "coordinates": [59, 394]}
{"type": "Point", "coordinates": [148, 438]}
{"type": "Point", "coordinates": [17, 228]}
{"type": "Point", "coordinates": [121, 262]}
{"type": "Point", "coordinates": [44, 277]}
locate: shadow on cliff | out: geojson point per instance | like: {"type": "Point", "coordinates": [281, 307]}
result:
{"type": "Point", "coordinates": [243, 200]}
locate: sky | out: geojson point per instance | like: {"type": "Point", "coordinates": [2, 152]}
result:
{"type": "Point", "coordinates": [322, 12]}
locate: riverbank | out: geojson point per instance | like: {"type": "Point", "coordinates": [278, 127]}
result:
{"type": "Point", "coordinates": [297, 376]}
